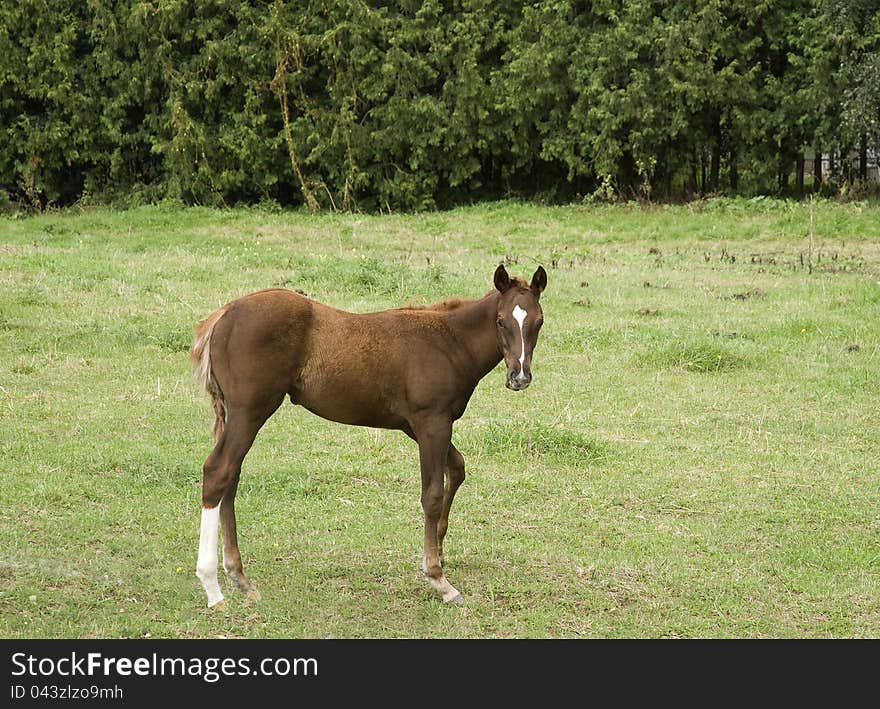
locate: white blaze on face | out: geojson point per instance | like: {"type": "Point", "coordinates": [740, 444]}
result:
{"type": "Point", "coordinates": [520, 316]}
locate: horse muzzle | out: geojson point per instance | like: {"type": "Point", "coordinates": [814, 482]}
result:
{"type": "Point", "coordinates": [518, 380]}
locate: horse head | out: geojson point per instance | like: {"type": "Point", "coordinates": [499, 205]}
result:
{"type": "Point", "coordinates": [518, 322]}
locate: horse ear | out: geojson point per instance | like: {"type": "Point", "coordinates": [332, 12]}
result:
{"type": "Point", "coordinates": [502, 280]}
{"type": "Point", "coordinates": [539, 281]}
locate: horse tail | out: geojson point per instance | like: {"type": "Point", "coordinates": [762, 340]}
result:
{"type": "Point", "coordinates": [200, 357]}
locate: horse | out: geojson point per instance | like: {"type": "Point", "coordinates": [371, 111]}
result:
{"type": "Point", "coordinates": [411, 369]}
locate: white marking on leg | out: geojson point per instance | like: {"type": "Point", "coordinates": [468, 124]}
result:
{"type": "Point", "coordinates": [206, 566]}
{"type": "Point", "coordinates": [520, 316]}
{"type": "Point", "coordinates": [445, 589]}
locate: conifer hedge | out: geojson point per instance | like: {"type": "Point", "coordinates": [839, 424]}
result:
{"type": "Point", "coordinates": [356, 104]}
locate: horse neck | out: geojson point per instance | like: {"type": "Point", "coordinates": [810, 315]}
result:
{"type": "Point", "coordinates": [473, 325]}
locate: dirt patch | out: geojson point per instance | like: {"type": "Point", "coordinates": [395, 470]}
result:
{"type": "Point", "coordinates": [750, 293]}
{"type": "Point", "coordinates": [732, 335]}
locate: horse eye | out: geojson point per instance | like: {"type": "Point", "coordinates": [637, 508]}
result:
{"type": "Point", "coordinates": [499, 322]}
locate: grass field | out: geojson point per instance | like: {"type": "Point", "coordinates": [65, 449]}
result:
{"type": "Point", "coordinates": [696, 457]}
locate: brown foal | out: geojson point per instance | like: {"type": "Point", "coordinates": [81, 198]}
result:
{"type": "Point", "coordinates": [411, 369]}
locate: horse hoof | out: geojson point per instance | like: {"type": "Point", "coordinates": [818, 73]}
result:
{"type": "Point", "coordinates": [457, 600]}
{"type": "Point", "coordinates": [218, 606]}
{"type": "Point", "coordinates": [252, 594]}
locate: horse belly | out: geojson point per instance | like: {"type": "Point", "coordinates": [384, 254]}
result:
{"type": "Point", "coordinates": [348, 400]}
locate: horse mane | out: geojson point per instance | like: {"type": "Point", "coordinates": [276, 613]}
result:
{"type": "Point", "coordinates": [455, 303]}
{"type": "Point", "coordinates": [441, 306]}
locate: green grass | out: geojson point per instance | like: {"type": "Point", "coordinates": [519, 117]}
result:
{"type": "Point", "coordinates": [697, 456]}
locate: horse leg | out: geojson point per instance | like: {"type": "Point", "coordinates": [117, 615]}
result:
{"type": "Point", "coordinates": [231, 555]}
{"type": "Point", "coordinates": [206, 566]}
{"type": "Point", "coordinates": [434, 441]}
{"type": "Point", "coordinates": [454, 478]}
{"type": "Point", "coordinates": [219, 479]}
